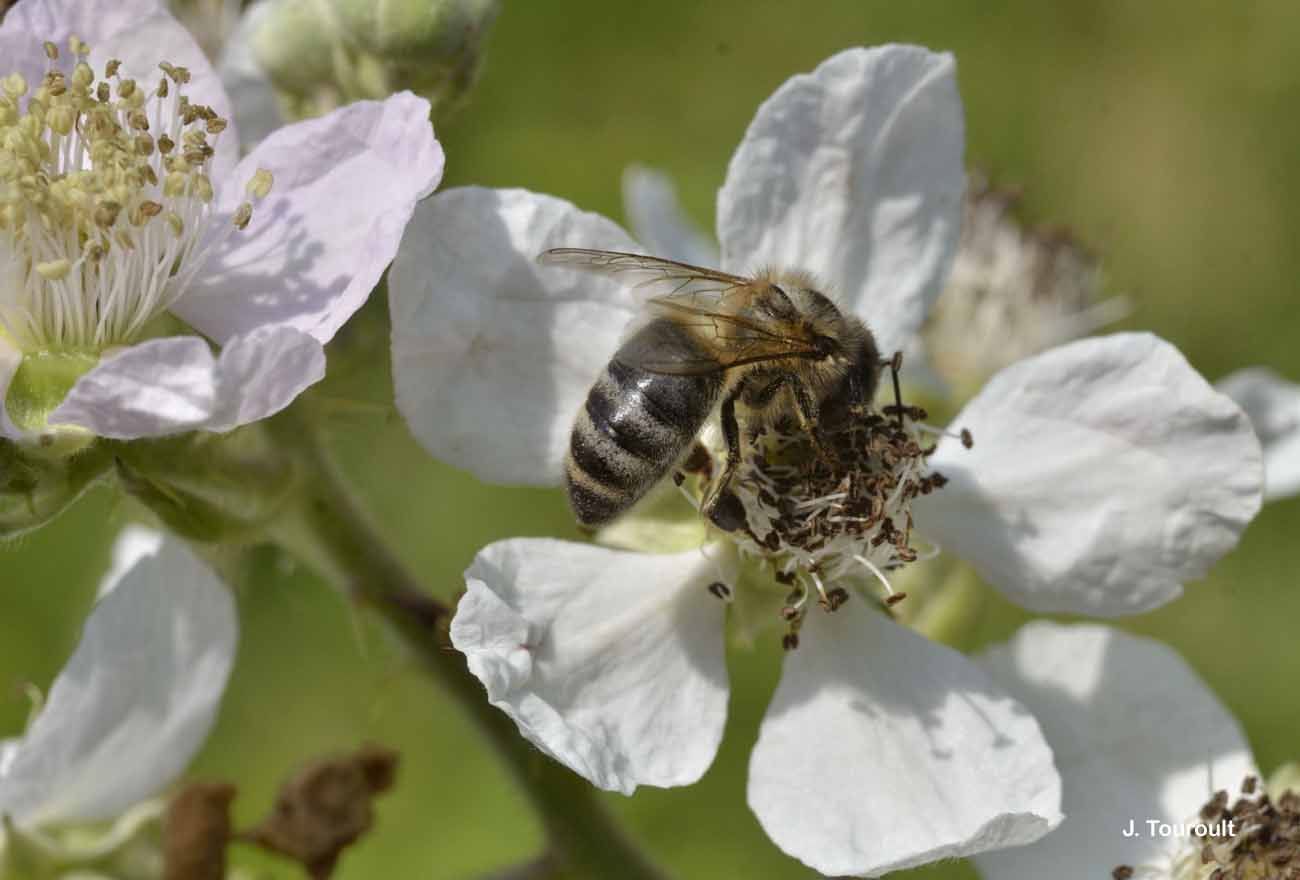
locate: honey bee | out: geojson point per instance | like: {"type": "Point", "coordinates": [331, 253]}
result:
{"type": "Point", "coordinates": [771, 345]}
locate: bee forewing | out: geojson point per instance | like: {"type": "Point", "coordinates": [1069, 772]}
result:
{"type": "Point", "coordinates": [709, 302]}
{"type": "Point", "coordinates": [651, 277]}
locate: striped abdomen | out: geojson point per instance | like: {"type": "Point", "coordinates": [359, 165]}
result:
{"type": "Point", "coordinates": [636, 424]}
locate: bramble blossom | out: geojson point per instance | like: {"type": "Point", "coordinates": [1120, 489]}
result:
{"type": "Point", "coordinates": [134, 242]}
{"type": "Point", "coordinates": [1104, 474]}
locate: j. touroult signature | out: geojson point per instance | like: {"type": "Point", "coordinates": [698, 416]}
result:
{"type": "Point", "coordinates": [1157, 828]}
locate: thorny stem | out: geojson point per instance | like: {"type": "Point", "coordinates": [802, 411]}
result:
{"type": "Point", "coordinates": [331, 531]}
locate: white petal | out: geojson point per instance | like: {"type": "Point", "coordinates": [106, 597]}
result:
{"type": "Point", "coordinates": [882, 750]}
{"type": "Point", "coordinates": [256, 108]}
{"type": "Point", "coordinates": [261, 373]}
{"type": "Point", "coordinates": [345, 187]}
{"type": "Point", "coordinates": [173, 385]}
{"type": "Point", "coordinates": [658, 221]}
{"type": "Point", "coordinates": [854, 173]}
{"type": "Point", "coordinates": [133, 543]}
{"type": "Point", "coordinates": [1136, 735]}
{"type": "Point", "coordinates": [1105, 474]}
{"type": "Point", "coordinates": [610, 662]}
{"type": "Point", "coordinates": [135, 701]}
{"type": "Point", "coordinates": [493, 353]}
{"type": "Point", "coordinates": [1273, 406]}
{"type": "Point", "coordinates": [139, 33]}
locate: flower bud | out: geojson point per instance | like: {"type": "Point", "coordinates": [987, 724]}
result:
{"type": "Point", "coordinates": [207, 487]}
{"type": "Point", "coordinates": [432, 47]}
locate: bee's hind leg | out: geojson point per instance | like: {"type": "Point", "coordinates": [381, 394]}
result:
{"type": "Point", "coordinates": [722, 507]}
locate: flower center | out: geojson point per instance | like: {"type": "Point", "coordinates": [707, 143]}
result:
{"type": "Point", "coordinates": [1257, 838]}
{"type": "Point", "coordinates": [1012, 292]}
{"type": "Point", "coordinates": [105, 202]}
{"type": "Point", "coordinates": [826, 518]}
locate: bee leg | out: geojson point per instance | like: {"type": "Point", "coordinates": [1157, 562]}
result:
{"type": "Point", "coordinates": [722, 507]}
{"type": "Point", "coordinates": [806, 406]}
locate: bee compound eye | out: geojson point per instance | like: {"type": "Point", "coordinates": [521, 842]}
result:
{"type": "Point", "coordinates": [824, 345]}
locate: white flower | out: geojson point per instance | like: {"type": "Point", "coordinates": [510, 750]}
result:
{"type": "Point", "coordinates": [122, 198]}
{"type": "Point", "coordinates": [1138, 739]}
{"type": "Point", "coordinates": [1273, 405]}
{"type": "Point", "coordinates": [1104, 474]}
{"type": "Point", "coordinates": [136, 699]}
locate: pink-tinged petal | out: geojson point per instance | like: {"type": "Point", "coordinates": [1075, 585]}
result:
{"type": "Point", "coordinates": [493, 354]}
{"type": "Point", "coordinates": [1137, 736]}
{"type": "Point", "coordinates": [136, 700]}
{"type": "Point", "coordinates": [610, 662]}
{"type": "Point", "coordinates": [139, 33]}
{"type": "Point", "coordinates": [176, 384]}
{"type": "Point", "coordinates": [345, 186]}
{"type": "Point", "coordinates": [1273, 406]}
{"type": "Point", "coordinates": [1105, 474]}
{"type": "Point", "coordinates": [854, 172]}
{"type": "Point", "coordinates": [882, 750]}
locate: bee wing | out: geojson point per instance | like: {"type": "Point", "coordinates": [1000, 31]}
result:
{"type": "Point", "coordinates": [656, 276]}
{"type": "Point", "coordinates": [688, 296]}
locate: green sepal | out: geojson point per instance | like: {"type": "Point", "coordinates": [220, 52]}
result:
{"type": "Point", "coordinates": [207, 487]}
{"type": "Point", "coordinates": [128, 849]}
{"type": "Point", "coordinates": [35, 486]}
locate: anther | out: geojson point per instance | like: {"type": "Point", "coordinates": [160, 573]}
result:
{"type": "Point", "coordinates": [54, 270]}
{"type": "Point", "coordinates": [720, 590]}
{"type": "Point", "coordinates": [260, 184]}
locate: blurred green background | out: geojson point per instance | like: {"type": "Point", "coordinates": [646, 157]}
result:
{"type": "Point", "coordinates": [1166, 134]}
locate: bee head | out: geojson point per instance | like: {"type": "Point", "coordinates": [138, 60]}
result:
{"type": "Point", "coordinates": [850, 396]}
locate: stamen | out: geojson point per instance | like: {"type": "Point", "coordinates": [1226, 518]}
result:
{"type": "Point", "coordinates": [830, 520]}
{"type": "Point", "coordinates": [101, 216]}
{"type": "Point", "coordinates": [880, 576]}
